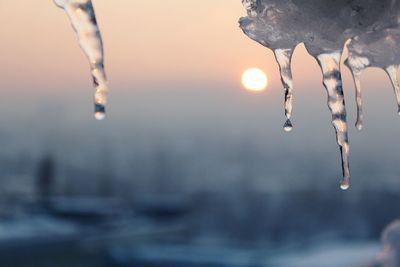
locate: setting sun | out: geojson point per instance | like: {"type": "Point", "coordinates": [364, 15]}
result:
{"type": "Point", "coordinates": [254, 79]}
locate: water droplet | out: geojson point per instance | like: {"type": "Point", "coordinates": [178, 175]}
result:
{"type": "Point", "coordinates": [345, 184]}
{"type": "Point", "coordinates": [288, 126]}
{"type": "Point", "coordinates": [99, 116]}
{"type": "Point", "coordinates": [99, 112]}
{"type": "Point", "coordinates": [359, 125]}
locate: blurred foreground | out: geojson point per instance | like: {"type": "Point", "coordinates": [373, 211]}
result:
{"type": "Point", "coordinates": [163, 219]}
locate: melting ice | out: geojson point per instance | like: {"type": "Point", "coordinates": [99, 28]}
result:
{"type": "Point", "coordinates": [369, 28]}
{"type": "Point", "coordinates": [83, 20]}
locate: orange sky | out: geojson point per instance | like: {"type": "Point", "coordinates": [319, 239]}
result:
{"type": "Point", "coordinates": [174, 66]}
{"type": "Point", "coordinates": [186, 53]}
{"type": "Point", "coordinates": [148, 43]}
{"type": "Point", "coordinates": [144, 40]}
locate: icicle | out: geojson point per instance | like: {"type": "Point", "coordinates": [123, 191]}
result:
{"type": "Point", "coordinates": [330, 65]}
{"type": "Point", "coordinates": [360, 114]}
{"type": "Point", "coordinates": [83, 19]}
{"type": "Point", "coordinates": [392, 72]}
{"type": "Point", "coordinates": [283, 57]}
{"type": "Point", "coordinates": [357, 64]}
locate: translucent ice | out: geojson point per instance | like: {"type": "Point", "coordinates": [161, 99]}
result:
{"type": "Point", "coordinates": [370, 29]}
{"type": "Point", "coordinates": [330, 65]}
{"type": "Point", "coordinates": [83, 20]}
{"type": "Point", "coordinates": [376, 49]}
{"type": "Point", "coordinates": [283, 57]}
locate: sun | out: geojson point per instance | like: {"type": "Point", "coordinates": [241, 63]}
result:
{"type": "Point", "coordinates": [254, 79]}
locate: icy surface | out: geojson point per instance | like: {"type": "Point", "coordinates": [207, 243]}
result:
{"type": "Point", "coordinates": [369, 28]}
{"type": "Point", "coordinates": [83, 20]}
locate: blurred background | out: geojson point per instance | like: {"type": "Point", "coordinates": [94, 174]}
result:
{"type": "Point", "coordinates": [188, 169]}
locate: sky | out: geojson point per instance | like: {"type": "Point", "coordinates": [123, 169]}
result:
{"type": "Point", "coordinates": [174, 68]}
{"type": "Point", "coordinates": [148, 44]}
{"type": "Point", "coordinates": [143, 39]}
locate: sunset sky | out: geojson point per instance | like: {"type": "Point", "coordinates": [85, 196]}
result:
{"type": "Point", "coordinates": [171, 65]}
{"type": "Point", "coordinates": [147, 44]}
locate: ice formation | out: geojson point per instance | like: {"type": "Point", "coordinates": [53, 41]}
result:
{"type": "Point", "coordinates": [83, 20]}
{"type": "Point", "coordinates": [370, 29]}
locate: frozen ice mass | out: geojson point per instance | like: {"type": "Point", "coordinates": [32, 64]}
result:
{"type": "Point", "coordinates": [369, 29]}
{"type": "Point", "coordinates": [83, 20]}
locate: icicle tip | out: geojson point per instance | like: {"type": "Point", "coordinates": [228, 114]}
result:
{"type": "Point", "coordinates": [345, 184]}
{"type": "Point", "coordinates": [99, 116]}
{"type": "Point", "coordinates": [288, 126]}
{"type": "Point", "coordinates": [99, 112]}
{"type": "Point", "coordinates": [359, 125]}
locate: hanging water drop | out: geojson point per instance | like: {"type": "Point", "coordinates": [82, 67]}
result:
{"type": "Point", "coordinates": [345, 184]}
{"type": "Point", "coordinates": [83, 20]}
{"type": "Point", "coordinates": [330, 66]}
{"type": "Point", "coordinates": [288, 127]}
{"type": "Point", "coordinates": [283, 57]}
{"type": "Point", "coordinates": [99, 112]}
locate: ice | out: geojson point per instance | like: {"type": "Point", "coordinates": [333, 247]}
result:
{"type": "Point", "coordinates": [357, 65]}
{"type": "Point", "coordinates": [376, 49]}
{"type": "Point", "coordinates": [330, 66]}
{"type": "Point", "coordinates": [369, 28]}
{"type": "Point", "coordinates": [392, 72]}
{"type": "Point", "coordinates": [283, 57]}
{"type": "Point", "coordinates": [83, 20]}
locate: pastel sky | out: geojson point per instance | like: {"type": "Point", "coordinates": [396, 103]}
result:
{"type": "Point", "coordinates": [174, 59]}
{"type": "Point", "coordinates": [146, 42]}
{"type": "Point", "coordinates": [174, 69]}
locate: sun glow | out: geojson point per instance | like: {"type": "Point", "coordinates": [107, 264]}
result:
{"type": "Point", "coordinates": [254, 79]}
